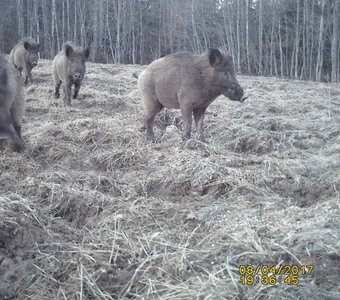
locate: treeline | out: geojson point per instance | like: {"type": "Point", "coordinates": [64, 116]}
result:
{"type": "Point", "coordinates": [294, 38]}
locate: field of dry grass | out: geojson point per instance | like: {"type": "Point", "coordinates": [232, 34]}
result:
{"type": "Point", "coordinates": [91, 210]}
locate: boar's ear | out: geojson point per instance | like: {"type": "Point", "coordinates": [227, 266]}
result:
{"type": "Point", "coordinates": [27, 45]}
{"type": "Point", "coordinates": [87, 53]}
{"type": "Point", "coordinates": [215, 57]}
{"type": "Point", "coordinates": [68, 50]}
{"type": "Point", "coordinates": [3, 76]}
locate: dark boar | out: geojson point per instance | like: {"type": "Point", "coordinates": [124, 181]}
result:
{"type": "Point", "coordinates": [190, 83]}
{"type": "Point", "coordinates": [24, 57]}
{"type": "Point", "coordinates": [69, 67]}
{"type": "Point", "coordinates": [12, 104]}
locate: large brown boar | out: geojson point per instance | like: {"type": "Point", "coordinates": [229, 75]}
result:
{"type": "Point", "coordinates": [190, 83]}
{"type": "Point", "coordinates": [12, 104]}
{"type": "Point", "coordinates": [24, 57]}
{"type": "Point", "coordinates": [69, 67]}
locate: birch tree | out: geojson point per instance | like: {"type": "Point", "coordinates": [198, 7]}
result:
{"type": "Point", "coordinates": [335, 42]}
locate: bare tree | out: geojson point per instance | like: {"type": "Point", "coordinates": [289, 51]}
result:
{"type": "Point", "coordinates": [260, 41]}
{"type": "Point", "coordinates": [20, 17]}
{"type": "Point", "coordinates": [335, 42]}
{"type": "Point", "coordinates": [320, 43]}
{"type": "Point", "coordinates": [299, 39]}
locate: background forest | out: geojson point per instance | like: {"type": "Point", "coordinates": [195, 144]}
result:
{"type": "Point", "coordinates": [294, 38]}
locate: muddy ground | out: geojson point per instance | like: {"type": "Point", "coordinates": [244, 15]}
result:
{"type": "Point", "coordinates": [91, 210]}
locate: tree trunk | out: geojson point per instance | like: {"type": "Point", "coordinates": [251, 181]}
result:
{"type": "Point", "coordinates": [260, 45]}
{"type": "Point", "coordinates": [53, 29]}
{"type": "Point", "coordinates": [311, 56]}
{"type": "Point", "coordinates": [319, 60]}
{"type": "Point", "coordinates": [238, 36]}
{"type": "Point", "coordinates": [75, 23]}
{"type": "Point", "coordinates": [247, 37]}
{"type": "Point", "coordinates": [335, 45]}
{"type": "Point", "coordinates": [20, 16]}
{"type": "Point", "coordinates": [133, 50]}
{"type": "Point", "coordinates": [297, 39]}
{"type": "Point", "coordinates": [37, 25]}
{"type": "Point", "coordinates": [109, 29]}
{"type": "Point", "coordinates": [281, 52]}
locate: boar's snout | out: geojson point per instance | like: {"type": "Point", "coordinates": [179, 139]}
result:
{"type": "Point", "coordinates": [77, 77]}
{"type": "Point", "coordinates": [244, 97]}
{"type": "Point", "coordinates": [235, 92]}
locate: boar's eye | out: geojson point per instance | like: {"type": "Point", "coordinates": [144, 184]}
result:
{"type": "Point", "coordinates": [226, 74]}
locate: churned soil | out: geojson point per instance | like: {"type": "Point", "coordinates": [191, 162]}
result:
{"type": "Point", "coordinates": [91, 210]}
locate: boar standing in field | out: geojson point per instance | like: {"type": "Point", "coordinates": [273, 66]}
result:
{"type": "Point", "coordinates": [12, 104]}
{"type": "Point", "coordinates": [69, 68]}
{"type": "Point", "coordinates": [190, 83]}
{"type": "Point", "coordinates": [24, 57]}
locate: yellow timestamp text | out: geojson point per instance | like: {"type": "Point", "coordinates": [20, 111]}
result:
{"type": "Point", "coordinates": [272, 275]}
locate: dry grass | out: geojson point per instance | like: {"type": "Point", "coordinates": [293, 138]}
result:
{"type": "Point", "coordinates": [93, 211]}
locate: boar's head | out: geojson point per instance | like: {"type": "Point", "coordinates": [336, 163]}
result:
{"type": "Point", "coordinates": [76, 62]}
{"type": "Point", "coordinates": [31, 56]}
{"type": "Point", "coordinates": [224, 78]}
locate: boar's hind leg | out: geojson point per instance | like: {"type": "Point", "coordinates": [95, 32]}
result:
{"type": "Point", "coordinates": [199, 117]}
{"type": "Point", "coordinates": [150, 114]}
{"type": "Point", "coordinates": [17, 139]}
{"type": "Point", "coordinates": [76, 90]}
{"type": "Point", "coordinates": [187, 120]}
{"type": "Point", "coordinates": [7, 131]}
{"type": "Point", "coordinates": [17, 126]}
{"type": "Point", "coordinates": [57, 88]}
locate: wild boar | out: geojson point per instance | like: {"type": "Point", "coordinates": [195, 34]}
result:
{"type": "Point", "coordinates": [190, 83]}
{"type": "Point", "coordinates": [12, 104]}
{"type": "Point", "coordinates": [24, 57]}
{"type": "Point", "coordinates": [69, 67]}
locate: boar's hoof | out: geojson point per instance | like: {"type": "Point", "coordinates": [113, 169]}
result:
{"type": "Point", "coordinates": [18, 148]}
{"type": "Point", "coordinates": [202, 139]}
{"type": "Point", "coordinates": [150, 138]}
{"type": "Point", "coordinates": [185, 137]}
{"type": "Point", "coordinates": [18, 145]}
{"type": "Point", "coordinates": [67, 103]}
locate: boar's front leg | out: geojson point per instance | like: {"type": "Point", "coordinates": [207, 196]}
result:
{"type": "Point", "coordinates": [187, 120]}
{"type": "Point", "coordinates": [152, 110]}
{"type": "Point", "coordinates": [28, 75]}
{"type": "Point", "coordinates": [57, 88]}
{"type": "Point", "coordinates": [199, 117]}
{"type": "Point", "coordinates": [17, 141]}
{"type": "Point", "coordinates": [67, 91]}
{"type": "Point", "coordinates": [19, 71]}
{"type": "Point", "coordinates": [76, 90]}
